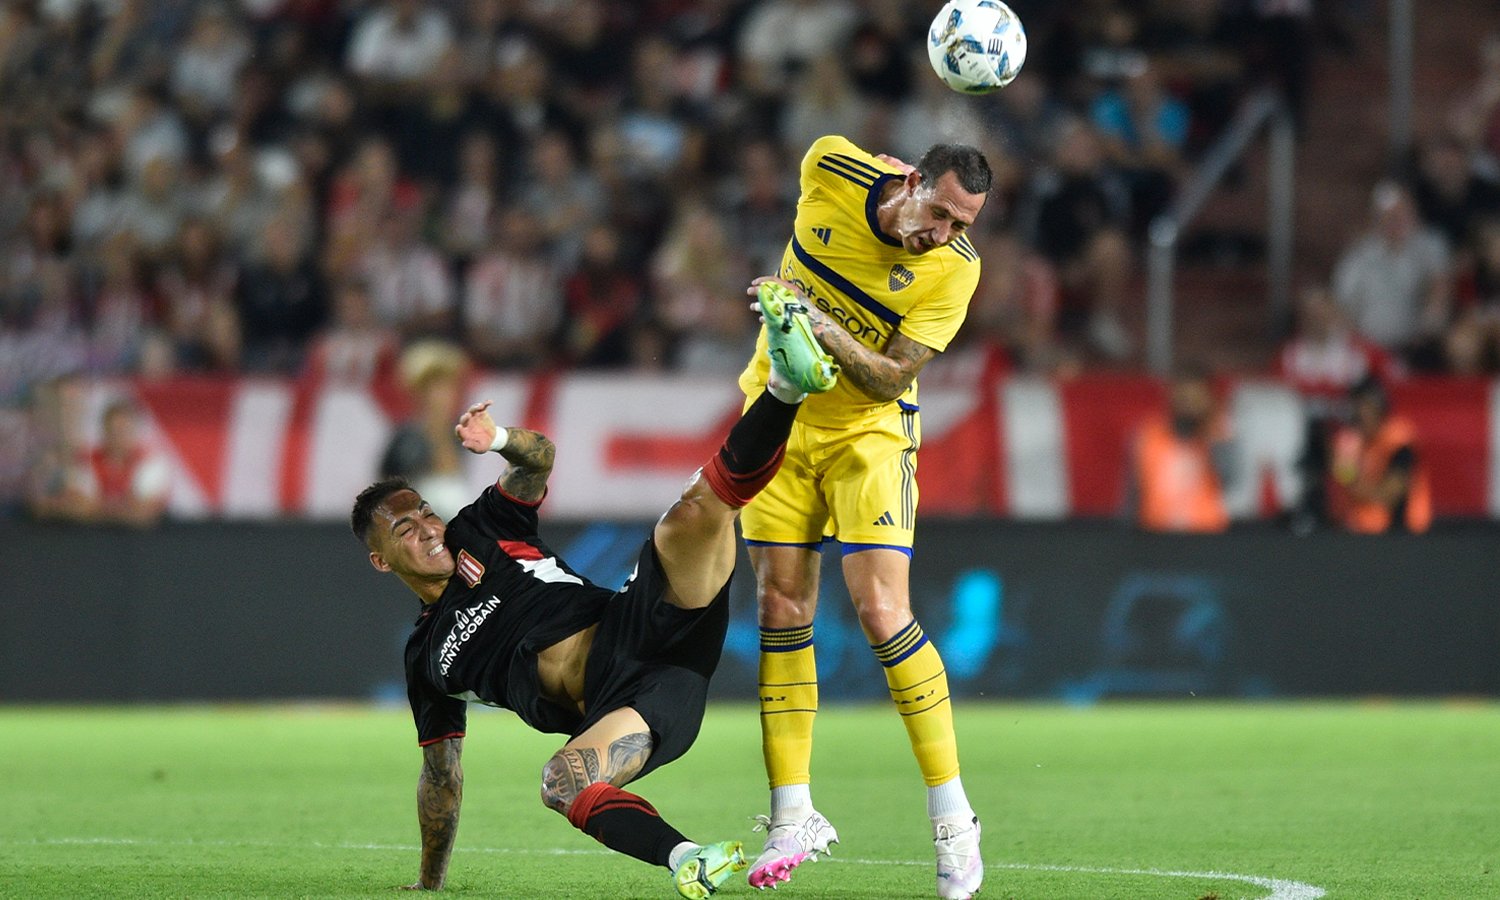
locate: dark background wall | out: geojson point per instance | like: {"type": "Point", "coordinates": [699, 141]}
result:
{"type": "Point", "coordinates": [1075, 611]}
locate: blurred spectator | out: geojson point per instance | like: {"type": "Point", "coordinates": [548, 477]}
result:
{"type": "Point", "coordinates": [149, 129]}
{"type": "Point", "coordinates": [196, 286]}
{"type": "Point", "coordinates": [424, 448]}
{"type": "Point", "coordinates": [698, 278]}
{"type": "Point", "coordinates": [824, 102]}
{"type": "Point", "coordinates": [281, 301]}
{"type": "Point", "coordinates": [880, 49]}
{"type": "Point", "coordinates": [397, 43]}
{"type": "Point", "coordinates": [57, 422]}
{"type": "Point", "coordinates": [1014, 309]}
{"type": "Point", "coordinates": [1144, 130]}
{"type": "Point", "coordinates": [205, 68]}
{"type": "Point", "coordinates": [37, 263]}
{"type": "Point", "coordinates": [604, 302]}
{"type": "Point", "coordinates": [1197, 46]}
{"type": "Point", "coordinates": [1378, 480]}
{"type": "Point", "coordinates": [235, 196]}
{"type": "Point", "coordinates": [659, 130]}
{"type": "Point", "coordinates": [1182, 463]}
{"type": "Point", "coordinates": [1395, 281]}
{"type": "Point", "coordinates": [598, 55]}
{"type": "Point", "coordinates": [1077, 213]}
{"type": "Point", "coordinates": [562, 196]}
{"type": "Point", "coordinates": [471, 203]}
{"type": "Point", "coordinates": [153, 209]}
{"type": "Point", "coordinates": [517, 102]}
{"type": "Point", "coordinates": [1449, 195]}
{"type": "Point", "coordinates": [121, 481]}
{"type": "Point", "coordinates": [781, 37]}
{"type": "Point", "coordinates": [932, 111]}
{"type": "Point", "coordinates": [1325, 357]}
{"type": "Point", "coordinates": [1025, 118]}
{"type": "Point", "coordinates": [355, 348]}
{"type": "Point", "coordinates": [513, 297]}
{"type": "Point", "coordinates": [1475, 118]}
{"type": "Point", "coordinates": [409, 280]}
{"type": "Point", "coordinates": [1323, 360]}
{"type": "Point", "coordinates": [760, 200]}
{"type": "Point", "coordinates": [366, 192]}
{"type": "Point", "coordinates": [120, 315]}
{"type": "Point", "coordinates": [1473, 344]}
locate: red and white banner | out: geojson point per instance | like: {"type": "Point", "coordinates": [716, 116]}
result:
{"type": "Point", "coordinates": [1014, 447]}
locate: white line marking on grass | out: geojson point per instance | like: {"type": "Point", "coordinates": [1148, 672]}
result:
{"type": "Point", "coordinates": [1281, 888]}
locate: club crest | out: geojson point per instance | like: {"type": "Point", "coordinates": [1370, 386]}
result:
{"type": "Point", "coordinates": [900, 278]}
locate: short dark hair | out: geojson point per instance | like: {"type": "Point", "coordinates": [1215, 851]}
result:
{"type": "Point", "coordinates": [363, 514]}
{"type": "Point", "coordinates": [966, 163]}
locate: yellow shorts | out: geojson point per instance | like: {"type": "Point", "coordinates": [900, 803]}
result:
{"type": "Point", "coordinates": [856, 485]}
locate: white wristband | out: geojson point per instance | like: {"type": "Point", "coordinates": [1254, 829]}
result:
{"type": "Point", "coordinates": [501, 436]}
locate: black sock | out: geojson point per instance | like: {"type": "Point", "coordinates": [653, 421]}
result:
{"type": "Point", "coordinates": [624, 823]}
{"type": "Point", "coordinates": [758, 436]}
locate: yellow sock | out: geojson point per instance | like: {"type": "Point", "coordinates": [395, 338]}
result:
{"type": "Point", "coordinates": [788, 703]}
{"type": "Point", "coordinates": [919, 686]}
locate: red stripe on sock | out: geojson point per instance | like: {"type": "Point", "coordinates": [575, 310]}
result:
{"type": "Point", "coordinates": [587, 799]}
{"type": "Point", "coordinates": [600, 797]}
{"type": "Point", "coordinates": [738, 488]}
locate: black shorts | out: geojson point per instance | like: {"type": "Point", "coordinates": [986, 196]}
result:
{"type": "Point", "coordinates": [655, 658]}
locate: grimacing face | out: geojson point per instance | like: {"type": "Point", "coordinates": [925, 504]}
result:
{"type": "Point", "coordinates": [936, 213]}
{"type": "Point", "coordinates": [407, 538]}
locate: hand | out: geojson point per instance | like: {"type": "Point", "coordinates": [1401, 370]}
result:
{"type": "Point", "coordinates": [753, 290]}
{"type": "Point", "coordinates": [815, 317]}
{"type": "Point", "coordinates": [476, 429]}
{"type": "Point", "coordinates": [906, 168]}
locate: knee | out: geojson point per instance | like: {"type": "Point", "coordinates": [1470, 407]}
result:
{"type": "Point", "coordinates": [882, 614]}
{"type": "Point", "coordinates": [561, 785]}
{"type": "Point", "coordinates": [785, 602]}
{"type": "Point", "coordinates": [697, 512]}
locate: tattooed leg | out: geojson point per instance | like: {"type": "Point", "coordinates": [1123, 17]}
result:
{"type": "Point", "coordinates": [582, 782]}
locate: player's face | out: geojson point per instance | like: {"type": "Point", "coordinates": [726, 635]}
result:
{"type": "Point", "coordinates": [937, 213]}
{"type": "Point", "coordinates": [409, 538]}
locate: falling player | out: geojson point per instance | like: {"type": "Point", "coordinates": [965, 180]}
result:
{"type": "Point", "coordinates": [506, 622]}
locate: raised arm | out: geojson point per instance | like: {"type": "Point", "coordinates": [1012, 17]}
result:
{"type": "Point", "coordinates": [529, 453]}
{"type": "Point", "coordinates": [883, 374]}
{"type": "Point", "coordinates": [440, 791]}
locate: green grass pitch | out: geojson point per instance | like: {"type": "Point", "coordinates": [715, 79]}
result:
{"type": "Point", "coordinates": [1370, 800]}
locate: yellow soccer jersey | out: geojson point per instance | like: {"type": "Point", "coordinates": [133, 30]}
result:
{"type": "Point", "coordinates": [863, 279]}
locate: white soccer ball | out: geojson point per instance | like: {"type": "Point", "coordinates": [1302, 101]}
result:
{"type": "Point", "coordinates": [976, 46]}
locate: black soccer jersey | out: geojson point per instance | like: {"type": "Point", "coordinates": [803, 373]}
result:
{"type": "Point", "coordinates": [510, 597]}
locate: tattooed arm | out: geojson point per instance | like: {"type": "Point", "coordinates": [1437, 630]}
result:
{"type": "Point", "coordinates": [883, 375]}
{"type": "Point", "coordinates": [529, 453]}
{"type": "Point", "coordinates": [440, 791]}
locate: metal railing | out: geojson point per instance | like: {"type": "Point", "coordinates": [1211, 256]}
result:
{"type": "Point", "coordinates": [1262, 111]}
{"type": "Point", "coordinates": [1401, 38]}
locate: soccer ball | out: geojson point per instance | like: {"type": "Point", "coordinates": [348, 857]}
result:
{"type": "Point", "coordinates": [976, 46]}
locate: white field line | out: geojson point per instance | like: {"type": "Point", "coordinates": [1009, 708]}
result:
{"type": "Point", "coordinates": [1280, 888]}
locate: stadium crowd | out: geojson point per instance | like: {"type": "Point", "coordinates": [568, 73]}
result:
{"type": "Point", "coordinates": [303, 187]}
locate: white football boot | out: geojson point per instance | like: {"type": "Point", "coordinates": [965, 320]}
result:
{"type": "Point", "coordinates": [960, 870]}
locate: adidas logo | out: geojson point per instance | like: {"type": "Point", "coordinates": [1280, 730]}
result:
{"type": "Point", "coordinates": [823, 234]}
{"type": "Point", "coordinates": [885, 519]}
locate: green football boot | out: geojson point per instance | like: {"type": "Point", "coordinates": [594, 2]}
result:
{"type": "Point", "coordinates": [795, 353]}
{"type": "Point", "coordinates": [701, 872]}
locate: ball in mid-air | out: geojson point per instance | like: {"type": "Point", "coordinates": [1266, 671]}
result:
{"type": "Point", "coordinates": [976, 46]}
